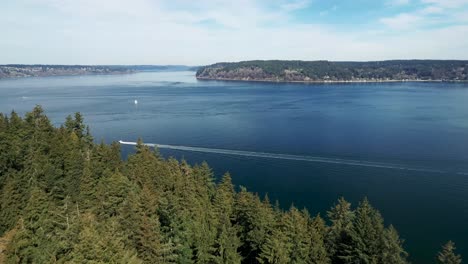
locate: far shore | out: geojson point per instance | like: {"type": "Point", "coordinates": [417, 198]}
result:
{"type": "Point", "coordinates": [328, 81]}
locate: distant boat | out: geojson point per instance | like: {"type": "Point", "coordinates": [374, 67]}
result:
{"type": "Point", "coordinates": [136, 102]}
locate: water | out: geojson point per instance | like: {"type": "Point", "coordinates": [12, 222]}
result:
{"type": "Point", "coordinates": [420, 127]}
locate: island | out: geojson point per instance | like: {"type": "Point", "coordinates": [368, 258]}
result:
{"type": "Point", "coordinates": [336, 71]}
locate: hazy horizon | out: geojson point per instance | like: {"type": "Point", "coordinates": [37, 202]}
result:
{"type": "Point", "coordinates": [187, 65]}
{"type": "Point", "coordinates": [163, 32]}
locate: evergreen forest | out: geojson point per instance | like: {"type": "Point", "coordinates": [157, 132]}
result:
{"type": "Point", "coordinates": [66, 199]}
{"type": "Point", "coordinates": [337, 71]}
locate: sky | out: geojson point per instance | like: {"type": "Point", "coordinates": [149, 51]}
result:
{"type": "Point", "coordinates": [199, 32]}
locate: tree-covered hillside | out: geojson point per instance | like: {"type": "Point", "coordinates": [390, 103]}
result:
{"type": "Point", "coordinates": [325, 71]}
{"type": "Point", "coordinates": [65, 199]}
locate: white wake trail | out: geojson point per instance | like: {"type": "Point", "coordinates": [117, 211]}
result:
{"type": "Point", "coordinates": [287, 157]}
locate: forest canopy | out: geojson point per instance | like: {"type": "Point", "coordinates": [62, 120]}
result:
{"type": "Point", "coordinates": [66, 199]}
{"type": "Point", "coordinates": [336, 71]}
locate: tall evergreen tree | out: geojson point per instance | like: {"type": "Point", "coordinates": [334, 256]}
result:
{"type": "Point", "coordinates": [101, 243]}
{"type": "Point", "coordinates": [112, 192]}
{"type": "Point", "coordinates": [318, 230]}
{"type": "Point", "coordinates": [32, 243]}
{"type": "Point", "coordinates": [14, 198]}
{"type": "Point", "coordinates": [339, 234]}
{"type": "Point", "coordinates": [367, 235]}
{"type": "Point", "coordinates": [447, 255]}
{"type": "Point", "coordinates": [393, 251]}
{"type": "Point", "coordinates": [227, 242]}
{"type": "Point", "coordinates": [257, 221]}
{"type": "Point", "coordinates": [296, 228]}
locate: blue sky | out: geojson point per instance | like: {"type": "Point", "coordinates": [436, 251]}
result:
{"type": "Point", "coordinates": [208, 31]}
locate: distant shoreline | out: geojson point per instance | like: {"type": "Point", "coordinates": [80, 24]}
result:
{"type": "Point", "coordinates": [62, 75]}
{"type": "Point", "coordinates": [17, 71]}
{"type": "Point", "coordinates": [327, 81]}
{"type": "Point", "coordinates": [337, 71]}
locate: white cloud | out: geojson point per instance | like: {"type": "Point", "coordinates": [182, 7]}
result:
{"type": "Point", "coordinates": [297, 5]}
{"type": "Point", "coordinates": [402, 21]}
{"type": "Point", "coordinates": [171, 32]}
{"type": "Point", "coordinates": [431, 10]}
{"type": "Point", "coordinates": [431, 13]}
{"type": "Point", "coordinates": [447, 3]}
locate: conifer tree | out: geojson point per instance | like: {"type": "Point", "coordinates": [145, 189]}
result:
{"type": "Point", "coordinates": [392, 251]}
{"type": "Point", "coordinates": [367, 235]}
{"type": "Point", "coordinates": [101, 243]}
{"type": "Point", "coordinates": [14, 197]}
{"type": "Point", "coordinates": [256, 221]}
{"type": "Point", "coordinates": [447, 255]}
{"type": "Point", "coordinates": [88, 187]}
{"type": "Point", "coordinates": [140, 222]}
{"type": "Point", "coordinates": [32, 243]}
{"type": "Point", "coordinates": [276, 248]}
{"type": "Point", "coordinates": [296, 228]}
{"type": "Point", "coordinates": [205, 177]}
{"type": "Point", "coordinates": [339, 234]}
{"type": "Point", "coordinates": [227, 242]}
{"type": "Point", "coordinates": [73, 166]}
{"type": "Point", "coordinates": [112, 191]}
{"type": "Point", "coordinates": [317, 230]}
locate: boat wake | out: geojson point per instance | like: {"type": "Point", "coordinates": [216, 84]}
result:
{"type": "Point", "coordinates": [266, 155]}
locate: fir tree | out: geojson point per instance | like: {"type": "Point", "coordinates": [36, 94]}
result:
{"type": "Point", "coordinates": [318, 251]}
{"type": "Point", "coordinates": [339, 234]}
{"type": "Point", "coordinates": [447, 255]}
{"type": "Point", "coordinates": [101, 243]}
{"type": "Point", "coordinates": [112, 192]}
{"type": "Point", "coordinates": [32, 243]}
{"type": "Point", "coordinates": [227, 242]}
{"type": "Point", "coordinates": [367, 235]}
{"type": "Point", "coordinates": [393, 251]}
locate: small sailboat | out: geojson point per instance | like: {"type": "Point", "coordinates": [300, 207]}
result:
{"type": "Point", "coordinates": [136, 102]}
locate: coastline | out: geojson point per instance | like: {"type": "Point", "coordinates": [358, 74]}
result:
{"type": "Point", "coordinates": [63, 75]}
{"type": "Point", "coordinates": [328, 81]}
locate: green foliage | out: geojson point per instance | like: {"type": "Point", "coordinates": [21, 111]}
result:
{"type": "Point", "coordinates": [447, 255]}
{"type": "Point", "coordinates": [366, 236]}
{"type": "Point", "coordinates": [280, 70]}
{"type": "Point", "coordinates": [393, 251]}
{"type": "Point", "coordinates": [69, 200]}
{"type": "Point", "coordinates": [339, 234]}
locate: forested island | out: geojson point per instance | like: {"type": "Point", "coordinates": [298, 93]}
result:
{"type": "Point", "coordinates": [38, 70]}
{"type": "Point", "coordinates": [66, 199]}
{"type": "Point", "coordinates": [329, 71]}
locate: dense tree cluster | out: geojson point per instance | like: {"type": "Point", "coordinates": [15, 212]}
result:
{"type": "Point", "coordinates": [277, 70]}
{"type": "Point", "coordinates": [66, 199]}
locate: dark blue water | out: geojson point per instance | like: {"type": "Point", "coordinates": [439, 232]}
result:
{"type": "Point", "coordinates": [422, 127]}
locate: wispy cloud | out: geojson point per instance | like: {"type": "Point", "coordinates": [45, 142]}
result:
{"type": "Point", "coordinates": [402, 21]}
{"type": "Point", "coordinates": [296, 5]}
{"type": "Point", "coordinates": [447, 3]}
{"type": "Point", "coordinates": [430, 13]}
{"type": "Point", "coordinates": [398, 2]}
{"type": "Point", "coordinates": [206, 31]}
{"type": "Point", "coordinates": [329, 10]}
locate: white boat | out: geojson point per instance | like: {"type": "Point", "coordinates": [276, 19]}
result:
{"type": "Point", "coordinates": [136, 102]}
